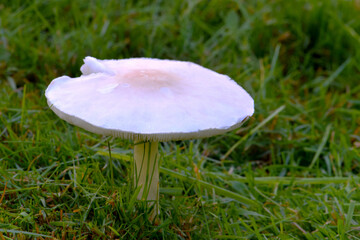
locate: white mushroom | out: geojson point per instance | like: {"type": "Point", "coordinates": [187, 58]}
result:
{"type": "Point", "coordinates": [149, 100]}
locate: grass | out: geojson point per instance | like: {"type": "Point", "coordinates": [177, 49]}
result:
{"type": "Point", "coordinates": [291, 172]}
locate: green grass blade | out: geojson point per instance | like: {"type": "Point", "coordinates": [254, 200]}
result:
{"type": "Point", "coordinates": [218, 190]}
{"type": "Point", "coordinates": [349, 216]}
{"type": "Point", "coordinates": [254, 130]}
{"type": "Point", "coordinates": [25, 233]}
{"type": "Point", "coordinates": [321, 146]}
{"type": "Point", "coordinates": [335, 74]}
{"type": "Point", "coordinates": [23, 108]}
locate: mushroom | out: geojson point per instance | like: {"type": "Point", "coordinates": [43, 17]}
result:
{"type": "Point", "coordinates": [149, 101]}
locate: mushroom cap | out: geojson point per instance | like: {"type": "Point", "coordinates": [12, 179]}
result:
{"type": "Point", "coordinates": [150, 99]}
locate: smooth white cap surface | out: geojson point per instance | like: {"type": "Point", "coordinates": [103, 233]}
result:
{"type": "Point", "coordinates": [150, 99]}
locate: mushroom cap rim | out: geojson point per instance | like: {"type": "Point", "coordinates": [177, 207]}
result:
{"type": "Point", "coordinates": [158, 137]}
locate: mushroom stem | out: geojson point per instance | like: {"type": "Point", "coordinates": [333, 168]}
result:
{"type": "Point", "coordinates": [146, 172]}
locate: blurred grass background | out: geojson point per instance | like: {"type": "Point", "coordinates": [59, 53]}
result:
{"type": "Point", "coordinates": [297, 159]}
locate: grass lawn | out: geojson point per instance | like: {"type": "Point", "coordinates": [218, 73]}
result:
{"type": "Point", "coordinates": [290, 172]}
